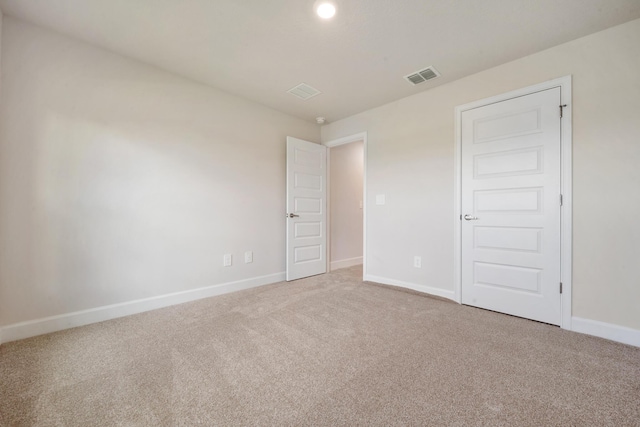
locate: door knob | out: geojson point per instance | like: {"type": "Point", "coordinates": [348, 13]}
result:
{"type": "Point", "coordinates": [471, 218]}
{"type": "Point", "coordinates": [292, 215]}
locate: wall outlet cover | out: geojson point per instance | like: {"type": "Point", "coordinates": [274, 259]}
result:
{"type": "Point", "coordinates": [226, 260]}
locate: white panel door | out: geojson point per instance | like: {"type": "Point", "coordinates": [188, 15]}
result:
{"type": "Point", "coordinates": [306, 208]}
{"type": "Point", "coordinates": [511, 206]}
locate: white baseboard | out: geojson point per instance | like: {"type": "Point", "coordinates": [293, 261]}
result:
{"type": "Point", "coordinates": [606, 330]}
{"type": "Point", "coordinates": [18, 331]}
{"type": "Point", "coordinates": [344, 263]}
{"type": "Point", "coordinates": [413, 286]}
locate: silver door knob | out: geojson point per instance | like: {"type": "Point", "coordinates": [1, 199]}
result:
{"type": "Point", "coordinates": [471, 218]}
{"type": "Point", "coordinates": [292, 215]}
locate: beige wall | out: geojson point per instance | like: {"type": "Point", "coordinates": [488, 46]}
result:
{"type": "Point", "coordinates": [347, 172]}
{"type": "Point", "coordinates": [411, 160]}
{"type": "Point", "coordinates": [119, 181]}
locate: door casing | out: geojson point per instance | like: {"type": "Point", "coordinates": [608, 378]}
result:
{"type": "Point", "coordinates": [564, 83]}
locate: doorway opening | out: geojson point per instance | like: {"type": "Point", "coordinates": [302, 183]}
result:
{"type": "Point", "coordinates": [346, 202]}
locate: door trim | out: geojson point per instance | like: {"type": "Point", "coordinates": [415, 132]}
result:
{"type": "Point", "coordinates": [362, 136]}
{"type": "Point", "coordinates": [564, 83]}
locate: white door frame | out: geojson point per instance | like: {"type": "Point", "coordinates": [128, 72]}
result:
{"type": "Point", "coordinates": [362, 136]}
{"type": "Point", "coordinates": [564, 83]}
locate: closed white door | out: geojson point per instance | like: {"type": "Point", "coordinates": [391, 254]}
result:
{"type": "Point", "coordinates": [306, 208]}
{"type": "Point", "coordinates": [511, 206]}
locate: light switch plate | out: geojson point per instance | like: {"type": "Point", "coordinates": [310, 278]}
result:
{"type": "Point", "coordinates": [380, 199]}
{"type": "Point", "coordinates": [248, 257]}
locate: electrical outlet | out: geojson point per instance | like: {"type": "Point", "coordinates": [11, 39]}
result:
{"type": "Point", "coordinates": [226, 260]}
{"type": "Point", "coordinates": [417, 262]}
{"type": "Point", "coordinates": [248, 257]}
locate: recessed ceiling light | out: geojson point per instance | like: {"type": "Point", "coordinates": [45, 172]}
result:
{"type": "Point", "coordinates": [325, 9]}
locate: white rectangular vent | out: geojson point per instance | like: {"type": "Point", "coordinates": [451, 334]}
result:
{"type": "Point", "coordinates": [304, 91]}
{"type": "Point", "coordinates": [422, 75]}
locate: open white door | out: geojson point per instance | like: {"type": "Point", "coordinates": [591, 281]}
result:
{"type": "Point", "coordinates": [511, 206]}
{"type": "Point", "coordinates": [306, 209]}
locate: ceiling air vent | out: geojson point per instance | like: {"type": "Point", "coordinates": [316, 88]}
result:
{"type": "Point", "coordinates": [304, 91]}
{"type": "Point", "coordinates": [422, 75]}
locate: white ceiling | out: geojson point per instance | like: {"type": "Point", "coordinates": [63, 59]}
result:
{"type": "Point", "coordinates": [258, 49]}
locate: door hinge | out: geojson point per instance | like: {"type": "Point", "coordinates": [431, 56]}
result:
{"type": "Point", "coordinates": [561, 200]}
{"type": "Point", "coordinates": [460, 217]}
{"type": "Point", "coordinates": [561, 109]}
{"type": "Point", "coordinates": [560, 287]}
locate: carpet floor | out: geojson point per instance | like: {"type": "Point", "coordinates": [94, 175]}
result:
{"type": "Point", "coordinates": [327, 350]}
